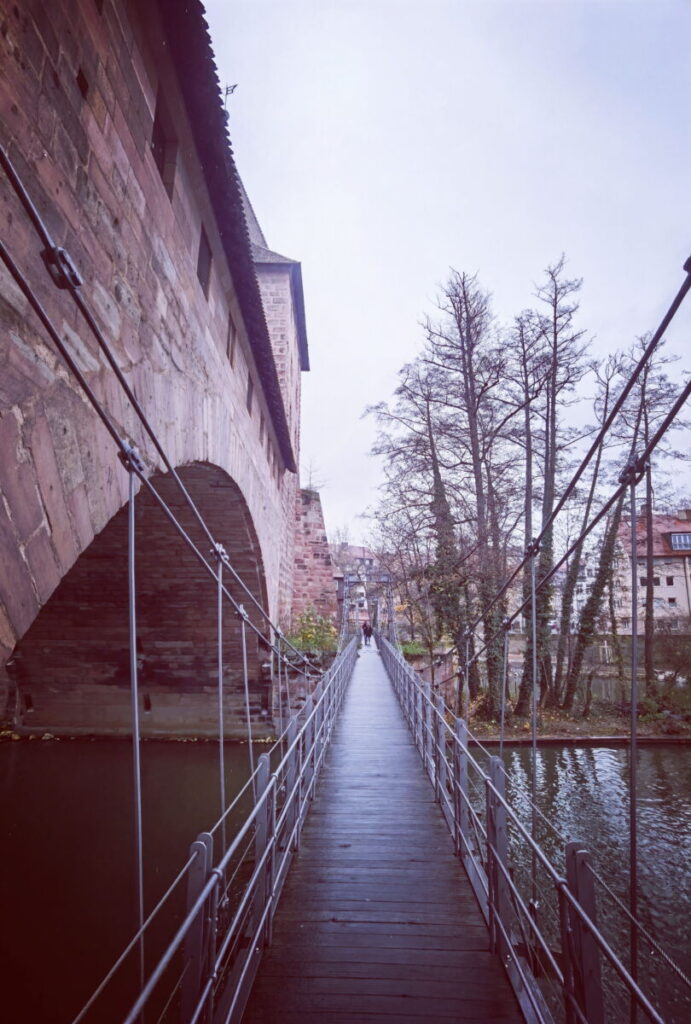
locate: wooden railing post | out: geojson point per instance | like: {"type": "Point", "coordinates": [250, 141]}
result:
{"type": "Point", "coordinates": [196, 939]}
{"type": "Point", "coordinates": [497, 852]}
{"type": "Point", "coordinates": [586, 952]}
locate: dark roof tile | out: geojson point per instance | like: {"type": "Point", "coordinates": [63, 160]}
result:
{"type": "Point", "coordinates": [190, 45]}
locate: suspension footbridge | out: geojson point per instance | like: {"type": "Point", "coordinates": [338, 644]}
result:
{"type": "Point", "coordinates": [383, 872]}
{"type": "Point", "coordinates": [380, 871]}
{"type": "Point", "coordinates": [378, 918]}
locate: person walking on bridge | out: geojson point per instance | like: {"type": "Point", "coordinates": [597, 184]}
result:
{"type": "Point", "coordinates": [367, 632]}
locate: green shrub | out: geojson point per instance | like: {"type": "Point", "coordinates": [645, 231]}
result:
{"type": "Point", "coordinates": [313, 632]}
{"type": "Point", "coordinates": [412, 649]}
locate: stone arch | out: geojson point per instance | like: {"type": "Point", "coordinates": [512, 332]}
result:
{"type": "Point", "coordinates": [71, 667]}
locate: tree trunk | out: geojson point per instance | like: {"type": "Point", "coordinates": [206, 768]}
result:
{"type": "Point", "coordinates": [649, 624]}
{"type": "Point", "coordinates": [591, 609]}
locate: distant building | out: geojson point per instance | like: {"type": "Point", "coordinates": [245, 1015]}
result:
{"type": "Point", "coordinates": [356, 571]}
{"type": "Point", "coordinates": [671, 543]}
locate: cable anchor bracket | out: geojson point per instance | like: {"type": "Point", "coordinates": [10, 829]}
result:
{"type": "Point", "coordinates": [61, 267]}
{"type": "Point", "coordinates": [220, 552]}
{"type": "Point", "coordinates": [633, 471]}
{"type": "Point", "coordinates": [131, 459]}
{"type": "Point", "coordinates": [533, 548]}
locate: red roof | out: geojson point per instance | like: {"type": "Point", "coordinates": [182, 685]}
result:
{"type": "Point", "coordinates": [663, 526]}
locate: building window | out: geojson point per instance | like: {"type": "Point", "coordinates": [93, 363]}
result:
{"type": "Point", "coordinates": [626, 623]}
{"type": "Point", "coordinates": [656, 581]}
{"type": "Point", "coordinates": [250, 393]}
{"type": "Point", "coordinates": [680, 541]}
{"type": "Point", "coordinates": [232, 339]}
{"type": "Point", "coordinates": [82, 83]}
{"type": "Point", "coordinates": [204, 262]}
{"type": "Point", "coordinates": [164, 145]}
{"type": "Point", "coordinates": [670, 581]}
{"type": "Point", "coordinates": [671, 600]}
{"type": "Point", "coordinates": [644, 581]}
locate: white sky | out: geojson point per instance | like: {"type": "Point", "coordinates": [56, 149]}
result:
{"type": "Point", "coordinates": [383, 141]}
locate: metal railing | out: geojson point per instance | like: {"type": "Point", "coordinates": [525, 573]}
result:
{"type": "Point", "coordinates": [206, 971]}
{"type": "Point", "coordinates": [542, 918]}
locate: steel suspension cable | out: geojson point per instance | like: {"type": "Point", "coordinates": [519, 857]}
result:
{"type": "Point", "coordinates": [638, 468]}
{"type": "Point", "coordinates": [126, 452]}
{"type": "Point", "coordinates": [221, 723]}
{"type": "Point", "coordinates": [602, 432]}
{"type": "Point", "coordinates": [633, 752]}
{"type": "Point", "coordinates": [245, 676]}
{"type": "Point", "coordinates": [134, 940]}
{"type": "Point", "coordinates": [65, 275]}
{"type": "Point", "coordinates": [672, 964]}
{"type": "Point", "coordinates": [134, 694]}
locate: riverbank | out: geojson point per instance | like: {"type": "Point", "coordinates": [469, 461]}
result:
{"type": "Point", "coordinates": [605, 726]}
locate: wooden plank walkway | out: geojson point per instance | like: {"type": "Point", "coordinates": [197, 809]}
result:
{"type": "Point", "coordinates": [377, 921]}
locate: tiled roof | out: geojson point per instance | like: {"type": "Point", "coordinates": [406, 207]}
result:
{"type": "Point", "coordinates": [260, 254]}
{"type": "Point", "coordinates": [190, 47]}
{"type": "Point", "coordinates": [663, 526]}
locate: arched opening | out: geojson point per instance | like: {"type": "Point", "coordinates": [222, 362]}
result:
{"type": "Point", "coordinates": [71, 667]}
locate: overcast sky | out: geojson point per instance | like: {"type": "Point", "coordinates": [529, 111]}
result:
{"type": "Point", "coordinates": [384, 141]}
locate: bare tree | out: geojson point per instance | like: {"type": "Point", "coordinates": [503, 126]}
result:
{"type": "Point", "coordinates": [563, 352]}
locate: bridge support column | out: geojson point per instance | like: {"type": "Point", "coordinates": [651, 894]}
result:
{"type": "Point", "coordinates": [585, 953]}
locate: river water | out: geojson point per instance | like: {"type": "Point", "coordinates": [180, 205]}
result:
{"type": "Point", "coordinates": [584, 791]}
{"type": "Point", "coordinates": [67, 849]}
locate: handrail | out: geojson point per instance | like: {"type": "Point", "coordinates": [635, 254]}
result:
{"type": "Point", "coordinates": [232, 896]}
{"type": "Point", "coordinates": [553, 954]}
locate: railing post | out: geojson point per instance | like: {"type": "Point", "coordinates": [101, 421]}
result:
{"type": "Point", "coordinates": [321, 721]}
{"type": "Point", "coordinates": [417, 732]}
{"type": "Point", "coordinates": [568, 958]}
{"type": "Point", "coordinates": [196, 938]}
{"type": "Point", "coordinates": [497, 852]}
{"type": "Point", "coordinates": [291, 781]}
{"type": "Point", "coordinates": [460, 789]}
{"type": "Point", "coordinates": [586, 967]}
{"type": "Point", "coordinates": [262, 838]}
{"type": "Point", "coordinates": [439, 749]}
{"type": "Point", "coordinates": [428, 737]}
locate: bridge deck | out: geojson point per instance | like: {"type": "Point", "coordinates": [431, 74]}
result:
{"type": "Point", "coordinates": [377, 919]}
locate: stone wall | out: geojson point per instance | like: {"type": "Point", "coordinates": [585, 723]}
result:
{"type": "Point", "coordinates": [274, 283]}
{"type": "Point", "coordinates": [79, 87]}
{"type": "Point", "coordinates": [314, 585]}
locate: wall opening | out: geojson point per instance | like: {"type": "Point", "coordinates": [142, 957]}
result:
{"type": "Point", "coordinates": [74, 659]}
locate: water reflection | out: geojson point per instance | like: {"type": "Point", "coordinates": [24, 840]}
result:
{"type": "Point", "coordinates": [67, 851]}
{"type": "Point", "coordinates": [585, 793]}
